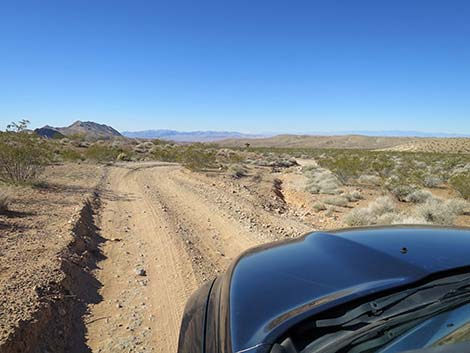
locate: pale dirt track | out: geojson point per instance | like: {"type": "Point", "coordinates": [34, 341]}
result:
{"type": "Point", "coordinates": [182, 229]}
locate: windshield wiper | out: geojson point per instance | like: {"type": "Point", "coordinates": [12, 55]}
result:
{"type": "Point", "coordinates": [378, 322]}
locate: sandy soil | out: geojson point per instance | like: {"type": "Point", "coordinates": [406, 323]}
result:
{"type": "Point", "coordinates": [170, 231]}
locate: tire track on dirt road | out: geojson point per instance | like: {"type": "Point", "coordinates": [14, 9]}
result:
{"type": "Point", "coordinates": [164, 241]}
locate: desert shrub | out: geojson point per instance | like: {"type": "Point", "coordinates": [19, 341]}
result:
{"type": "Point", "coordinates": [330, 211]}
{"type": "Point", "coordinates": [401, 192]}
{"type": "Point", "coordinates": [457, 206]}
{"type": "Point", "coordinates": [337, 201]}
{"type": "Point", "coordinates": [370, 180]}
{"type": "Point", "coordinates": [123, 157]}
{"type": "Point", "coordinates": [382, 205]}
{"type": "Point", "coordinates": [23, 156]}
{"type": "Point", "coordinates": [431, 181]}
{"type": "Point", "coordinates": [226, 155]}
{"type": "Point", "coordinates": [359, 217]}
{"type": "Point", "coordinates": [436, 211]}
{"type": "Point", "coordinates": [197, 157]}
{"type": "Point", "coordinates": [102, 153]}
{"type": "Point", "coordinates": [69, 154]}
{"type": "Point", "coordinates": [461, 183]}
{"type": "Point", "coordinates": [381, 210]}
{"type": "Point", "coordinates": [418, 196]}
{"type": "Point", "coordinates": [143, 147]}
{"type": "Point", "coordinates": [319, 206]}
{"type": "Point", "coordinates": [353, 196]}
{"type": "Point", "coordinates": [409, 219]}
{"type": "Point", "coordinates": [237, 171]}
{"type": "Point", "coordinates": [273, 160]}
{"type": "Point", "coordinates": [321, 181]}
{"type": "Point", "coordinates": [5, 200]}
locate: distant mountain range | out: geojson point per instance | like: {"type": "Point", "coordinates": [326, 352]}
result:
{"type": "Point", "coordinates": [189, 136]}
{"type": "Point", "coordinates": [92, 130]}
{"type": "Point", "coordinates": [87, 129]}
{"type": "Point", "coordinates": [396, 133]}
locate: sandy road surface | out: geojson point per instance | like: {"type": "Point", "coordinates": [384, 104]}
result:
{"type": "Point", "coordinates": [168, 231]}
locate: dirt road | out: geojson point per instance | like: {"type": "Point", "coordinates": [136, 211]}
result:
{"type": "Point", "coordinates": [168, 231]}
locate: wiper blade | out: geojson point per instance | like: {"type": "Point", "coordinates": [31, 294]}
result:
{"type": "Point", "coordinates": [378, 307]}
{"type": "Point", "coordinates": [399, 310]}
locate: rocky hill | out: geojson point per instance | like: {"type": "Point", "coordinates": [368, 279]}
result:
{"type": "Point", "coordinates": [88, 129]}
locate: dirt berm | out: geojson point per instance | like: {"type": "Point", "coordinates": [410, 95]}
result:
{"type": "Point", "coordinates": [57, 325]}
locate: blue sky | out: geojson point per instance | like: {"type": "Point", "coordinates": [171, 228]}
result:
{"type": "Point", "coordinates": [247, 65]}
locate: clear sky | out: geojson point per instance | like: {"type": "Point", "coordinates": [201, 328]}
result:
{"type": "Point", "coordinates": [246, 65]}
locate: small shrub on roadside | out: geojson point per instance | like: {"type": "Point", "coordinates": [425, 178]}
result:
{"type": "Point", "coordinates": [23, 156]}
{"type": "Point", "coordinates": [5, 200]}
{"type": "Point", "coordinates": [369, 180]}
{"type": "Point", "coordinates": [321, 181]}
{"type": "Point", "coordinates": [124, 157]}
{"type": "Point", "coordinates": [419, 196]}
{"type": "Point", "coordinates": [436, 211]}
{"type": "Point", "coordinates": [401, 192]}
{"type": "Point", "coordinates": [237, 171]}
{"type": "Point", "coordinates": [353, 196]}
{"type": "Point", "coordinates": [337, 201]}
{"type": "Point", "coordinates": [381, 210]}
{"type": "Point", "coordinates": [319, 206]}
{"type": "Point", "coordinates": [330, 211]}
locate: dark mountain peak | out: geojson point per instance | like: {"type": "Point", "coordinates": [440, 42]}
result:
{"type": "Point", "coordinates": [89, 129]}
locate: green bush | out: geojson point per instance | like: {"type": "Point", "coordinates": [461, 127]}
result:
{"type": "Point", "coordinates": [102, 153]}
{"type": "Point", "coordinates": [68, 154]}
{"type": "Point", "coordinates": [461, 183]}
{"type": "Point", "coordinates": [23, 156]}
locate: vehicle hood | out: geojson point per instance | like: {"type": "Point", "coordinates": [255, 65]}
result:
{"type": "Point", "coordinates": [273, 287]}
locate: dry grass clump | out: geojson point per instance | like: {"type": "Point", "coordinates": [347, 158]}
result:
{"type": "Point", "coordinates": [5, 200]}
{"type": "Point", "coordinates": [337, 201]}
{"type": "Point", "coordinates": [321, 181]}
{"type": "Point", "coordinates": [237, 171]}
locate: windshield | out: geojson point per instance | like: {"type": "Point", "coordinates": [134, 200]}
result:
{"type": "Point", "coordinates": [433, 314]}
{"type": "Point", "coordinates": [443, 329]}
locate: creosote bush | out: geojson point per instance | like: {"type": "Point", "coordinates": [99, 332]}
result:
{"type": "Point", "coordinates": [23, 156]}
{"type": "Point", "coordinates": [461, 183]}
